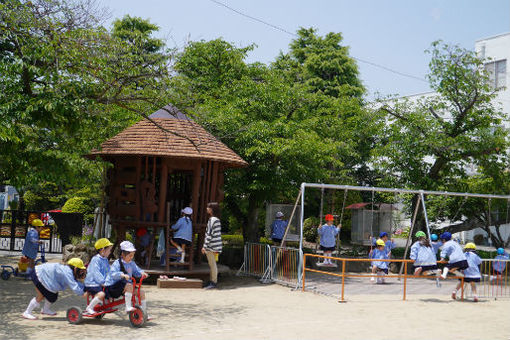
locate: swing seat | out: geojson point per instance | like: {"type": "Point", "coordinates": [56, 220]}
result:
{"type": "Point", "coordinates": [321, 252]}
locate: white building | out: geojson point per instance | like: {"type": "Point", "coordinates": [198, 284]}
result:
{"type": "Point", "coordinates": [496, 52]}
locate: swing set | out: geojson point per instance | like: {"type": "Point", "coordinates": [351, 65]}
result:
{"type": "Point", "coordinates": [388, 209]}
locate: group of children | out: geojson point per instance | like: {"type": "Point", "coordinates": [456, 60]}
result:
{"type": "Point", "coordinates": [101, 280]}
{"type": "Point", "coordinates": [464, 263]}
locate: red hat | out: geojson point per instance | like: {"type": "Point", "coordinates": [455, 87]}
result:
{"type": "Point", "coordinates": [329, 217]}
{"type": "Point", "coordinates": [141, 231]}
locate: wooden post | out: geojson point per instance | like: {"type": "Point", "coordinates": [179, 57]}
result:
{"type": "Point", "coordinates": [162, 191]}
{"type": "Point", "coordinates": [214, 182]}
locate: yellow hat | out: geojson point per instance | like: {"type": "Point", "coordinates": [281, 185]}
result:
{"type": "Point", "coordinates": [76, 262]}
{"type": "Point", "coordinates": [379, 242]}
{"type": "Point", "coordinates": [37, 223]}
{"type": "Point", "coordinates": [470, 245]}
{"type": "Point", "coordinates": [102, 243]}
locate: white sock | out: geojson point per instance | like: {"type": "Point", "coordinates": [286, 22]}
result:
{"type": "Point", "coordinates": [33, 304]}
{"type": "Point", "coordinates": [445, 272]}
{"type": "Point", "coordinates": [47, 306]}
{"type": "Point", "coordinates": [93, 303]}
{"type": "Point", "coordinates": [128, 297]}
{"type": "Point", "coordinates": [182, 256]}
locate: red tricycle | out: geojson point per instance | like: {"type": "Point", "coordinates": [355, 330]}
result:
{"type": "Point", "coordinates": [136, 317]}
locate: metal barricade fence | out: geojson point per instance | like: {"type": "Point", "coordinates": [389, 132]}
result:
{"type": "Point", "coordinates": [272, 263]}
{"type": "Point", "coordinates": [286, 265]}
{"type": "Point", "coordinates": [495, 281]}
{"type": "Point", "coordinates": [257, 260]}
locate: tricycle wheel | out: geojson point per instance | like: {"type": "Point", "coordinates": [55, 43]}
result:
{"type": "Point", "coordinates": [137, 317]}
{"type": "Point", "coordinates": [74, 315]}
{"type": "Point", "coordinates": [5, 274]}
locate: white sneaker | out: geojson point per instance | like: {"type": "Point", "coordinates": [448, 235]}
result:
{"type": "Point", "coordinates": [48, 312]}
{"type": "Point", "coordinates": [372, 279]}
{"type": "Point", "coordinates": [29, 316]}
{"type": "Point", "coordinates": [130, 309]}
{"type": "Point", "coordinates": [89, 311]}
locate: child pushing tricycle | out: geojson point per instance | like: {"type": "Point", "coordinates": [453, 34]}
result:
{"type": "Point", "coordinates": [123, 278]}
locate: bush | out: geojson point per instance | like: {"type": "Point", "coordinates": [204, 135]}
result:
{"type": "Point", "coordinates": [80, 205]}
{"type": "Point", "coordinates": [233, 240]}
{"type": "Point", "coordinates": [310, 229]}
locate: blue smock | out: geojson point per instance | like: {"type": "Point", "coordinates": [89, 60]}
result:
{"type": "Point", "coordinates": [422, 255]}
{"type": "Point", "coordinates": [379, 254]}
{"type": "Point", "coordinates": [436, 246]}
{"type": "Point", "coordinates": [31, 245]}
{"type": "Point", "coordinates": [56, 277]}
{"type": "Point", "coordinates": [474, 261]}
{"type": "Point", "coordinates": [500, 265]}
{"type": "Point", "coordinates": [97, 270]}
{"type": "Point", "coordinates": [388, 245]}
{"type": "Point", "coordinates": [183, 228]}
{"type": "Point", "coordinates": [278, 229]}
{"type": "Point", "coordinates": [328, 235]}
{"type": "Point", "coordinates": [454, 252]}
{"type": "Point", "coordinates": [115, 272]}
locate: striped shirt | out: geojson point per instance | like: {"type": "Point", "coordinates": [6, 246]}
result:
{"type": "Point", "coordinates": [212, 240]}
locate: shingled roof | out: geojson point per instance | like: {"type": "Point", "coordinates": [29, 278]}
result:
{"type": "Point", "coordinates": [170, 136]}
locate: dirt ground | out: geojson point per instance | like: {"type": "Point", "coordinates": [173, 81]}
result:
{"type": "Point", "coordinates": [243, 308]}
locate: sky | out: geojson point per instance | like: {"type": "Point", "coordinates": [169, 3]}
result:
{"type": "Point", "coordinates": [391, 33]}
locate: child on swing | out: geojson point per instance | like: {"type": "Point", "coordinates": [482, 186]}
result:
{"type": "Point", "coordinates": [499, 265]}
{"type": "Point", "coordinates": [118, 280]}
{"type": "Point", "coordinates": [97, 271]}
{"type": "Point", "coordinates": [379, 267]}
{"type": "Point", "coordinates": [472, 272]}
{"type": "Point", "coordinates": [328, 233]}
{"type": "Point", "coordinates": [425, 260]}
{"type": "Point", "coordinates": [456, 258]}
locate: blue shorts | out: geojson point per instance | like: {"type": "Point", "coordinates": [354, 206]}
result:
{"type": "Point", "coordinates": [181, 241]}
{"type": "Point", "coordinates": [93, 290]}
{"type": "Point", "coordinates": [496, 272]}
{"type": "Point", "coordinates": [50, 296]}
{"type": "Point", "coordinates": [385, 270]}
{"type": "Point", "coordinates": [425, 268]}
{"type": "Point", "coordinates": [461, 265]}
{"type": "Point", "coordinates": [327, 248]}
{"type": "Point", "coordinates": [115, 290]}
{"type": "Point", "coordinates": [471, 279]}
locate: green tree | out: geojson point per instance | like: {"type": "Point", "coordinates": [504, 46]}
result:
{"type": "Point", "coordinates": [433, 142]}
{"type": "Point", "coordinates": [287, 133]}
{"type": "Point", "coordinates": [68, 84]}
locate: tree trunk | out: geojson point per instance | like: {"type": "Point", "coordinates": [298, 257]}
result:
{"type": "Point", "coordinates": [250, 231]}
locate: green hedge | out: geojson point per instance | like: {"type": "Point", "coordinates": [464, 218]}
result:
{"type": "Point", "coordinates": [237, 240]}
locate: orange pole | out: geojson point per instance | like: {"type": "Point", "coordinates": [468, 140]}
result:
{"type": "Point", "coordinates": [343, 278]}
{"type": "Point", "coordinates": [405, 280]}
{"type": "Point", "coordinates": [304, 265]}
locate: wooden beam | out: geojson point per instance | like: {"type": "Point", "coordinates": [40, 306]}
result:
{"type": "Point", "coordinates": [162, 191]}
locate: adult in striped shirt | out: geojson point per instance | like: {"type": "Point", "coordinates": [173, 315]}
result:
{"type": "Point", "coordinates": [212, 243]}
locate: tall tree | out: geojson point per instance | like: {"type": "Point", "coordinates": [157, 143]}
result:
{"type": "Point", "coordinates": [287, 133]}
{"type": "Point", "coordinates": [67, 84]}
{"type": "Point", "coordinates": [433, 143]}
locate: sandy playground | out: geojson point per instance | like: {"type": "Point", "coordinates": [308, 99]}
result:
{"type": "Point", "coordinates": [243, 308]}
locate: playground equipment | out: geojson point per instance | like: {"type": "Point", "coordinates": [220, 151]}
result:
{"type": "Point", "coordinates": [137, 317]}
{"type": "Point", "coordinates": [21, 270]}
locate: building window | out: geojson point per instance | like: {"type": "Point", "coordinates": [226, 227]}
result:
{"type": "Point", "coordinates": [497, 73]}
